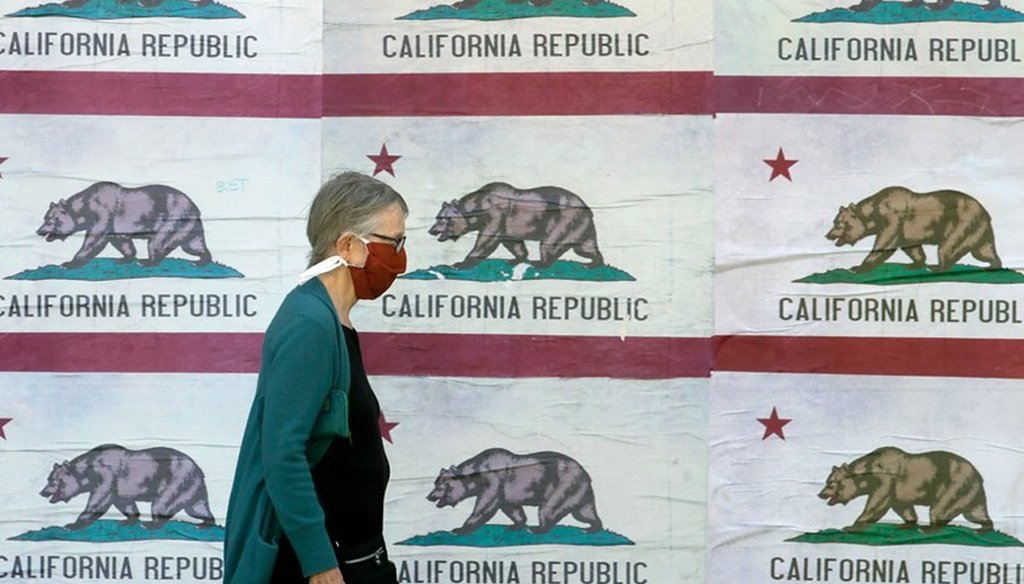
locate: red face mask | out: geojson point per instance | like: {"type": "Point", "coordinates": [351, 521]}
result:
{"type": "Point", "coordinates": [383, 264]}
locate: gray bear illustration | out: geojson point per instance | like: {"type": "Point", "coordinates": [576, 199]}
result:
{"type": "Point", "coordinates": [506, 482]}
{"type": "Point", "coordinates": [507, 216]}
{"type": "Point", "coordinates": [866, 5]}
{"type": "Point", "coordinates": [119, 477]}
{"type": "Point", "coordinates": [109, 213]}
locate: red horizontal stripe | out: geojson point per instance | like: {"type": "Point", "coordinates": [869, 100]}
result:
{"type": "Point", "coordinates": [498, 94]}
{"type": "Point", "coordinates": [939, 357]}
{"type": "Point", "coordinates": [518, 94]}
{"type": "Point", "coordinates": [160, 94]}
{"type": "Point", "coordinates": [536, 356]}
{"type": "Point", "coordinates": [131, 352]}
{"type": "Point", "coordinates": [299, 96]}
{"type": "Point", "coordinates": [528, 355]}
{"type": "Point", "coordinates": [385, 354]}
{"type": "Point", "coordinates": [946, 96]}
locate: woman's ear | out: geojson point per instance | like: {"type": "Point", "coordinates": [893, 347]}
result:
{"type": "Point", "coordinates": [350, 249]}
{"type": "Point", "coordinates": [343, 243]}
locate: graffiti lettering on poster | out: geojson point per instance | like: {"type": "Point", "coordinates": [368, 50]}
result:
{"type": "Point", "coordinates": [50, 567]}
{"type": "Point", "coordinates": [913, 11]}
{"type": "Point", "coordinates": [514, 9]}
{"type": "Point", "coordinates": [114, 9]}
{"type": "Point", "coordinates": [504, 307]}
{"type": "Point", "coordinates": [513, 572]}
{"type": "Point", "coordinates": [109, 44]}
{"type": "Point", "coordinates": [899, 49]}
{"type": "Point", "coordinates": [162, 216]}
{"type": "Point", "coordinates": [508, 45]}
{"type": "Point", "coordinates": [500, 480]}
{"type": "Point", "coordinates": [95, 306]}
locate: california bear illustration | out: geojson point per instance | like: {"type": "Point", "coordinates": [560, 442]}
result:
{"type": "Point", "coordinates": [866, 5]}
{"type": "Point", "coordinates": [503, 481]}
{"type": "Point", "coordinates": [109, 213]}
{"type": "Point", "coordinates": [946, 483]}
{"type": "Point", "coordinates": [903, 219]}
{"type": "Point", "coordinates": [114, 475]}
{"type": "Point", "coordinates": [508, 216]}
{"type": "Point", "coordinates": [472, 3]}
{"type": "Point", "coordinates": [144, 3]}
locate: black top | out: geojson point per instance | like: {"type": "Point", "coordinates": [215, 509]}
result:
{"type": "Point", "coordinates": [351, 477]}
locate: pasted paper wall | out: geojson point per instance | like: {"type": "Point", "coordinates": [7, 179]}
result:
{"type": "Point", "coordinates": [766, 332]}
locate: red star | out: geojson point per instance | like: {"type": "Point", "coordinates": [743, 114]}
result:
{"type": "Point", "coordinates": [780, 166]}
{"type": "Point", "coordinates": [386, 427]}
{"type": "Point", "coordinates": [773, 425]}
{"type": "Point", "coordinates": [2, 160]}
{"type": "Point", "coordinates": [3, 422]}
{"type": "Point", "coordinates": [383, 161]}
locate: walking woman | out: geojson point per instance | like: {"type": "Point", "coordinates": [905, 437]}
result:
{"type": "Point", "coordinates": [307, 502]}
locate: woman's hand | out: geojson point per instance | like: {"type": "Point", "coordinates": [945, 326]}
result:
{"type": "Point", "coordinates": [332, 576]}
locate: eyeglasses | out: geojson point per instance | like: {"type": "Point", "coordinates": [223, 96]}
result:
{"type": "Point", "coordinates": [398, 242]}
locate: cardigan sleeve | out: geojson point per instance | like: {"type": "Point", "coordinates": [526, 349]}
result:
{"type": "Point", "coordinates": [299, 376]}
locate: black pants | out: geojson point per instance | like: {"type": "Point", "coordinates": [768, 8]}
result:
{"type": "Point", "coordinates": [366, 563]}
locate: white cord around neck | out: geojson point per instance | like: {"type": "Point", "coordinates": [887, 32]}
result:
{"type": "Point", "coordinates": [331, 263]}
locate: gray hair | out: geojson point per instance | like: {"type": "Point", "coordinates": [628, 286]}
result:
{"type": "Point", "coordinates": [348, 203]}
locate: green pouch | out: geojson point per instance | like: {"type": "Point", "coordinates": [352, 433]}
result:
{"type": "Point", "coordinates": [331, 423]}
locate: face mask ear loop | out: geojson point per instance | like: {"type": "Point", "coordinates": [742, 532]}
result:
{"type": "Point", "coordinates": [322, 267]}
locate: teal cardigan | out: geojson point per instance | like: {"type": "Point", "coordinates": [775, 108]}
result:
{"type": "Point", "coordinates": [301, 405]}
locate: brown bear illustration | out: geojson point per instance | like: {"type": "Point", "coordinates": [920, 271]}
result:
{"type": "Point", "coordinates": [116, 476]}
{"type": "Point", "coordinates": [946, 483]}
{"type": "Point", "coordinates": [503, 481]}
{"type": "Point", "coordinates": [903, 219]}
{"type": "Point", "coordinates": [109, 213]}
{"type": "Point", "coordinates": [866, 5]}
{"type": "Point", "coordinates": [505, 215]}
{"type": "Point", "coordinates": [471, 3]}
